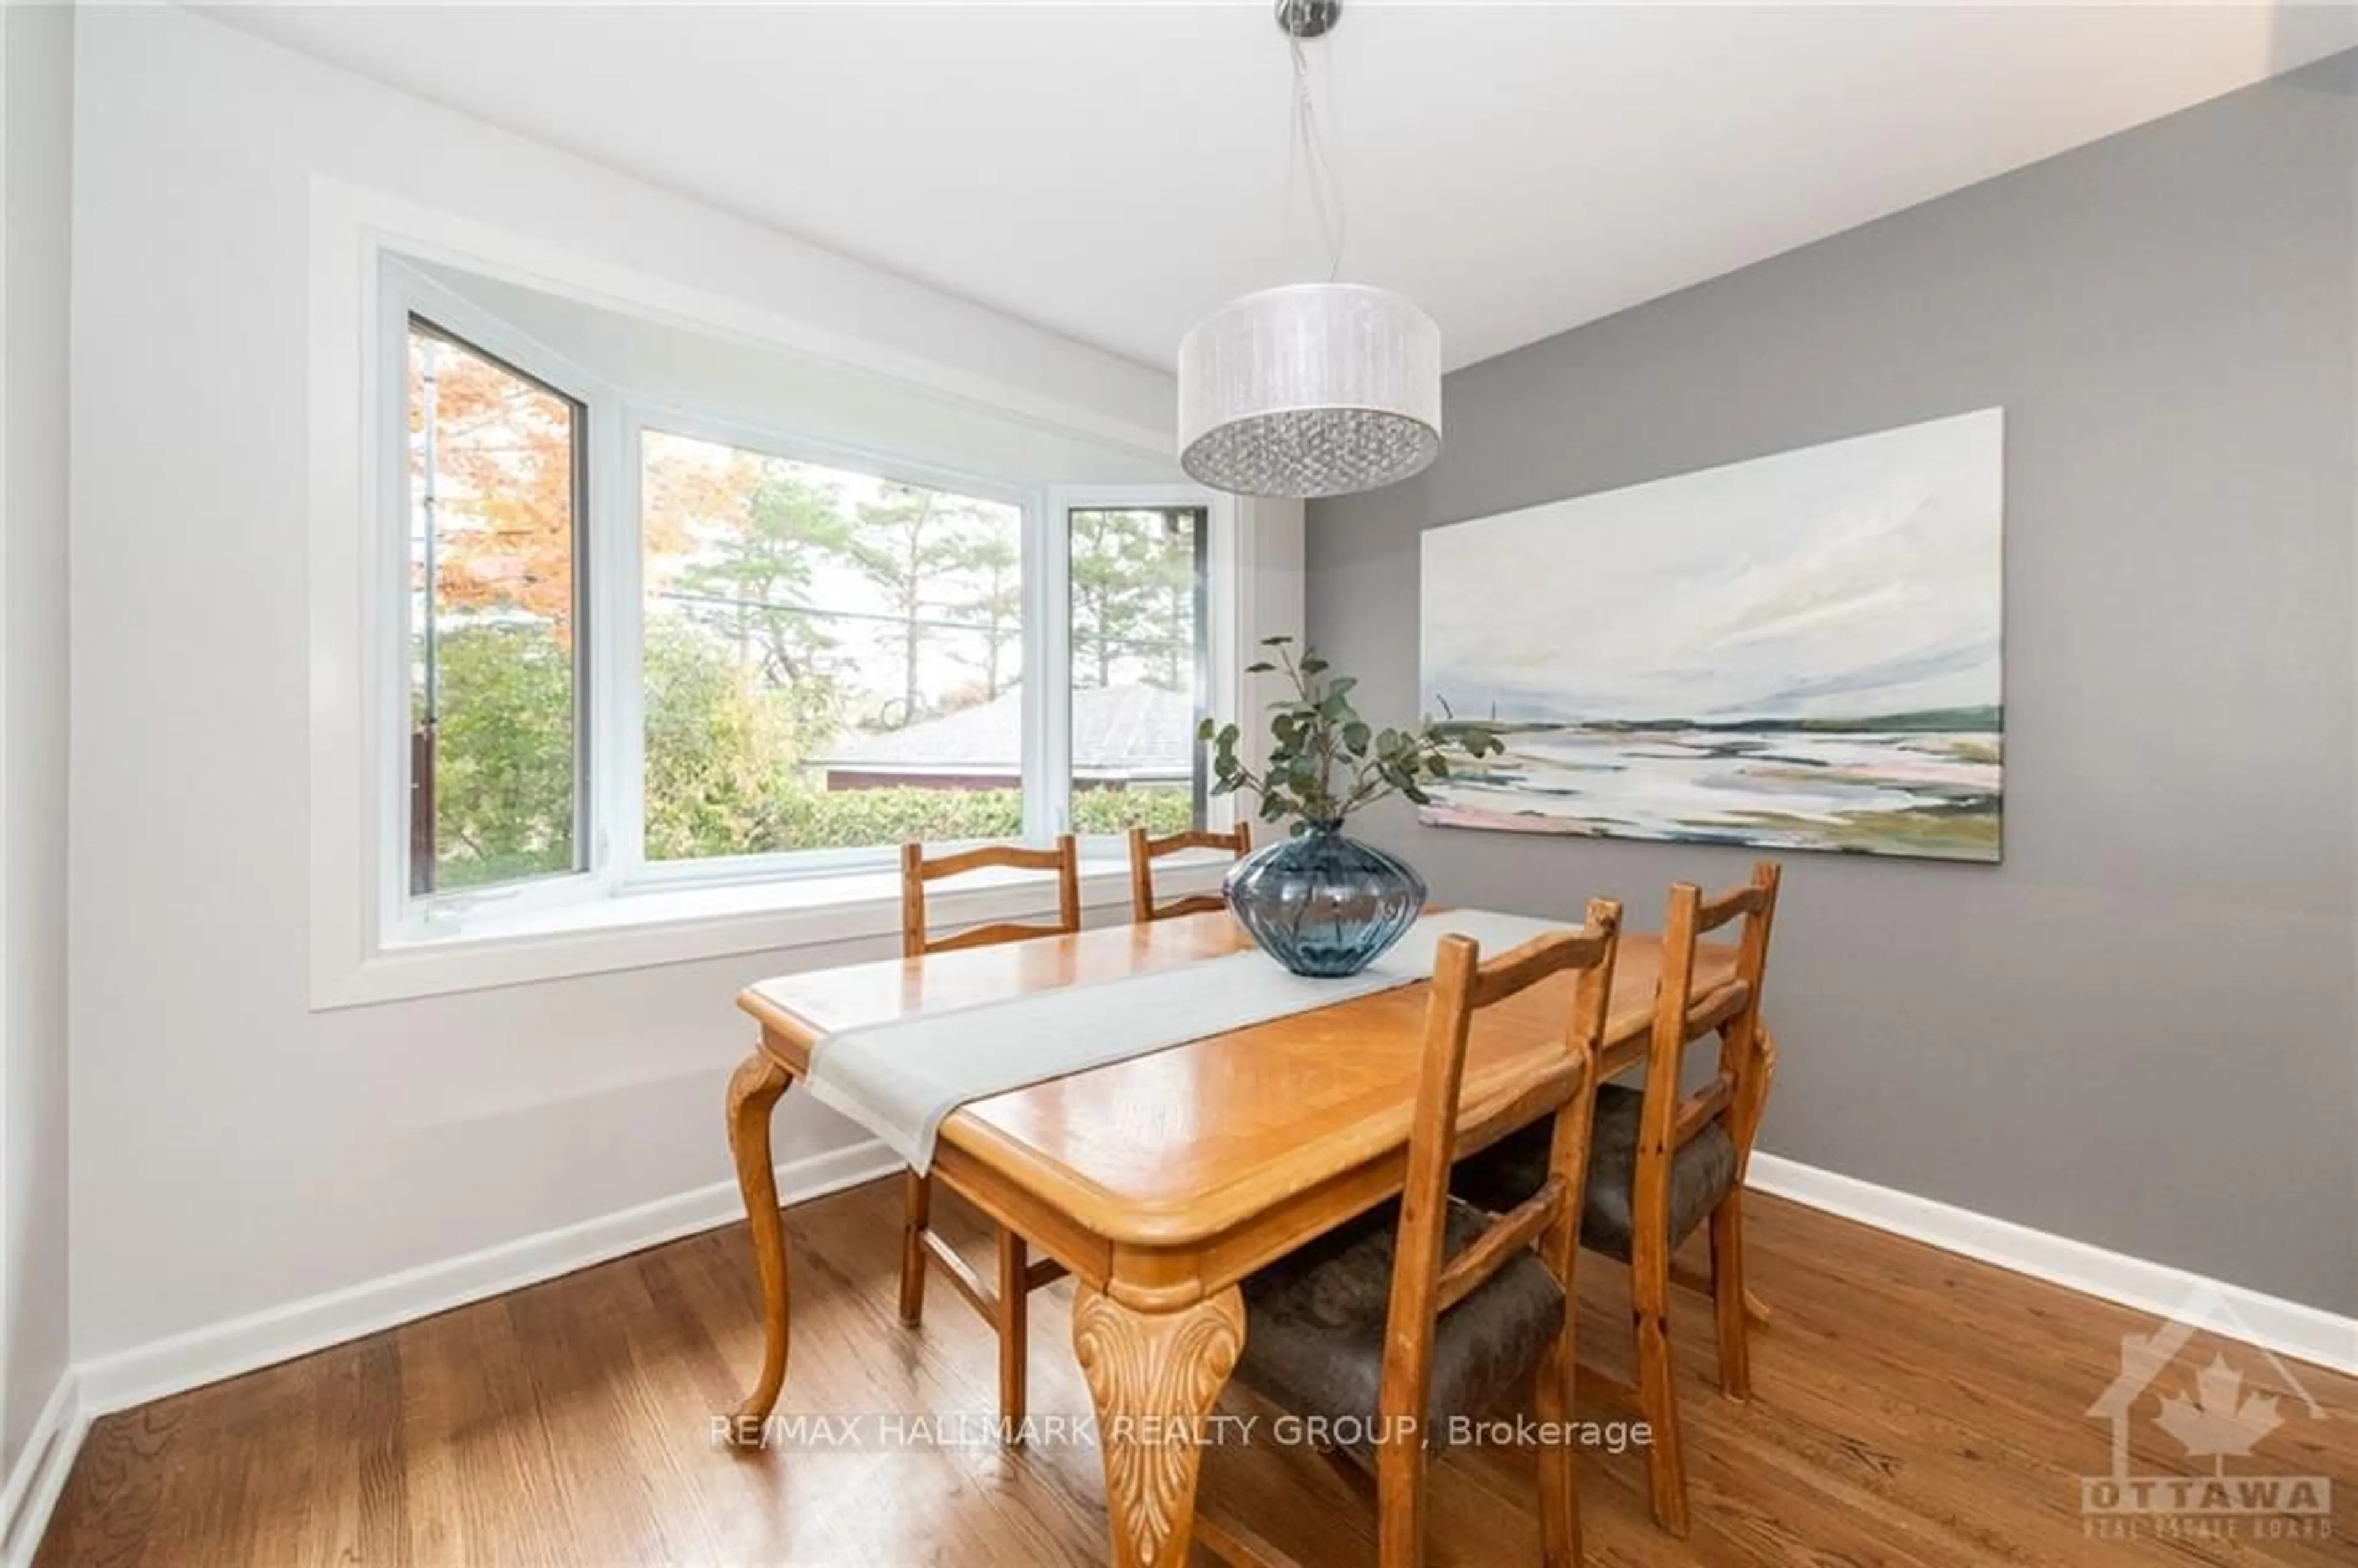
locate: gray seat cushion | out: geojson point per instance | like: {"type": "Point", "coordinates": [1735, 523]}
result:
{"type": "Point", "coordinates": [1513, 1169]}
{"type": "Point", "coordinates": [1315, 1327]}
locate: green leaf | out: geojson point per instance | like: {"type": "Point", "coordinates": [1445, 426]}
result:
{"type": "Point", "coordinates": [1275, 642]}
{"type": "Point", "coordinates": [1354, 738]}
{"type": "Point", "coordinates": [1260, 667]}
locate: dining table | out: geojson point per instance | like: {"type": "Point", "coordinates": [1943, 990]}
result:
{"type": "Point", "coordinates": [1160, 1182]}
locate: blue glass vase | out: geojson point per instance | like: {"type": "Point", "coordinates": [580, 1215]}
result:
{"type": "Point", "coordinates": [1324, 905]}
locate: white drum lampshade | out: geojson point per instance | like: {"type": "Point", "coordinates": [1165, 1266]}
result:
{"type": "Point", "coordinates": [1316, 389]}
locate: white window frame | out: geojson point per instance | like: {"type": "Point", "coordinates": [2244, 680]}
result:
{"type": "Point", "coordinates": [360, 952]}
{"type": "Point", "coordinates": [408, 293]}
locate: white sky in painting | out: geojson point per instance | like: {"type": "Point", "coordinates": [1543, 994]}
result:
{"type": "Point", "coordinates": [1846, 580]}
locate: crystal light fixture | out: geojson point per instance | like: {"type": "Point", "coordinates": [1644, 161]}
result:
{"type": "Point", "coordinates": [1316, 388]}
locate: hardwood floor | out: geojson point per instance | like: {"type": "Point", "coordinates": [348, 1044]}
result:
{"type": "Point", "coordinates": [1909, 1407]}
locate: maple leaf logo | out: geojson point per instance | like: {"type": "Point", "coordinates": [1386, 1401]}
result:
{"type": "Point", "coordinates": [2221, 1418]}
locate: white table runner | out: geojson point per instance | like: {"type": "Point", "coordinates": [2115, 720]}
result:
{"type": "Point", "coordinates": [901, 1078]}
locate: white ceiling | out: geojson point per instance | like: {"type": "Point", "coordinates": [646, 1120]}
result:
{"type": "Point", "coordinates": [1115, 170]}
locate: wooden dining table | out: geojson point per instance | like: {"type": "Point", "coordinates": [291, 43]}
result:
{"type": "Point", "coordinates": [1162, 1181]}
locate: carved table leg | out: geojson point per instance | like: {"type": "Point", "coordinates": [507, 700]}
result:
{"type": "Point", "coordinates": [1152, 1376]}
{"type": "Point", "coordinates": [753, 1092]}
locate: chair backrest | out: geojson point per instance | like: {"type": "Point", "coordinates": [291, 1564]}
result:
{"type": "Point", "coordinates": [917, 870]}
{"type": "Point", "coordinates": [1144, 852]}
{"type": "Point", "coordinates": [1670, 1117]}
{"type": "Point", "coordinates": [1423, 1287]}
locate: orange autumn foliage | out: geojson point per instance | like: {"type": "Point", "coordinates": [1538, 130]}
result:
{"type": "Point", "coordinates": [505, 475]}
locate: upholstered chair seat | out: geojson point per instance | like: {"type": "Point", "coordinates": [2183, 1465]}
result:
{"type": "Point", "coordinates": [1513, 1168]}
{"type": "Point", "coordinates": [1315, 1326]}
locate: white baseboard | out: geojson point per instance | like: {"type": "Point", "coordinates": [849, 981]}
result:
{"type": "Point", "coordinates": [30, 1490]}
{"type": "Point", "coordinates": [222, 1350]}
{"type": "Point", "coordinates": [2288, 1328]}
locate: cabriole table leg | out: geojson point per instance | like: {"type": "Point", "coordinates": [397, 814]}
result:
{"type": "Point", "coordinates": [753, 1092]}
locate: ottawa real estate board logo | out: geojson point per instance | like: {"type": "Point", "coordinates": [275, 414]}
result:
{"type": "Point", "coordinates": [2217, 1404]}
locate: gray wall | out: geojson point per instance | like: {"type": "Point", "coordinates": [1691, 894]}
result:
{"type": "Point", "coordinates": [2138, 1030]}
{"type": "Point", "coordinates": [39, 96]}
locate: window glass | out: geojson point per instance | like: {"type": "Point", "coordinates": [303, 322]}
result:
{"type": "Point", "coordinates": [832, 660]}
{"type": "Point", "coordinates": [1137, 668]}
{"type": "Point", "coordinates": [495, 677]}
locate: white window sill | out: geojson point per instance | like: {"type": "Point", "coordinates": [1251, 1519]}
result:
{"type": "Point", "coordinates": [675, 925]}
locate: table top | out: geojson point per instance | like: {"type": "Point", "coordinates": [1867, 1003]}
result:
{"type": "Point", "coordinates": [1177, 1146]}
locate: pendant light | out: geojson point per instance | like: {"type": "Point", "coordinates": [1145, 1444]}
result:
{"type": "Point", "coordinates": [1316, 388]}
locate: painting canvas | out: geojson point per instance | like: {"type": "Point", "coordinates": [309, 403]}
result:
{"type": "Point", "coordinates": [1799, 651]}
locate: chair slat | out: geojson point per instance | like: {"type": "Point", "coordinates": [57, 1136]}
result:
{"type": "Point", "coordinates": [1200, 839]}
{"type": "Point", "coordinates": [1193, 904]}
{"type": "Point", "coordinates": [1510, 1234]}
{"type": "Point", "coordinates": [1697, 1110]}
{"type": "Point", "coordinates": [1010, 857]}
{"type": "Point", "coordinates": [1517, 1107]}
{"type": "Point", "coordinates": [1713, 1013]}
{"type": "Point", "coordinates": [1720, 908]}
{"type": "Point", "coordinates": [1540, 958]}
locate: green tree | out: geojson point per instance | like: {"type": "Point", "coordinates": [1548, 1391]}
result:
{"type": "Point", "coordinates": [1111, 553]}
{"type": "Point", "coordinates": [993, 603]}
{"type": "Point", "coordinates": [719, 745]}
{"type": "Point", "coordinates": [1169, 588]}
{"type": "Point", "coordinates": [753, 580]}
{"type": "Point", "coordinates": [913, 544]}
{"type": "Point", "coordinates": [504, 753]}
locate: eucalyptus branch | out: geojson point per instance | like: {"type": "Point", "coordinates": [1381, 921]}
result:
{"type": "Point", "coordinates": [1316, 730]}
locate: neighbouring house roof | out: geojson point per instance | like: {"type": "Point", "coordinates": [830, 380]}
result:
{"type": "Point", "coordinates": [1118, 732]}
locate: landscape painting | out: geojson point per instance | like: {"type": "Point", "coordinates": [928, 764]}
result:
{"type": "Point", "coordinates": [1799, 651]}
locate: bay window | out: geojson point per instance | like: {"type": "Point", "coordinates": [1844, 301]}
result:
{"type": "Point", "coordinates": [652, 646]}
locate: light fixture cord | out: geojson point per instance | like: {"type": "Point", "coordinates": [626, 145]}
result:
{"type": "Point", "coordinates": [1307, 145]}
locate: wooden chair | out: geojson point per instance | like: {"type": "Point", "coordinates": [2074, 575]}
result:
{"type": "Point", "coordinates": [1002, 1304]}
{"type": "Point", "coordinates": [1430, 1310]}
{"type": "Point", "coordinates": [1144, 852]}
{"type": "Point", "coordinates": [1663, 1163]}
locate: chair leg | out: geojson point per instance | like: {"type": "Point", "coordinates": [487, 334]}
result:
{"type": "Point", "coordinates": [1558, 1474]}
{"type": "Point", "coordinates": [1399, 1502]}
{"type": "Point", "coordinates": [1015, 1332]}
{"type": "Point", "coordinates": [1729, 1304]}
{"type": "Point", "coordinates": [916, 1210]}
{"type": "Point", "coordinates": [1658, 1395]}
